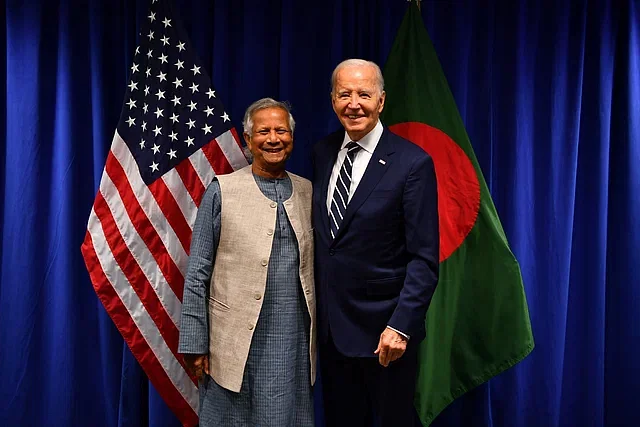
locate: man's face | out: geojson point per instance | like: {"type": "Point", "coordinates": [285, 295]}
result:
{"type": "Point", "coordinates": [356, 100]}
{"type": "Point", "coordinates": [270, 141]}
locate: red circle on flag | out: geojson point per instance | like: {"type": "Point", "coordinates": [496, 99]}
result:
{"type": "Point", "coordinates": [458, 186]}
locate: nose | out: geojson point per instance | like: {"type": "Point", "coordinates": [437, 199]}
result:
{"type": "Point", "coordinates": [354, 101]}
{"type": "Point", "coordinates": [273, 137]}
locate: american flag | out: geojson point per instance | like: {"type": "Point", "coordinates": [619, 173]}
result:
{"type": "Point", "coordinates": [172, 138]}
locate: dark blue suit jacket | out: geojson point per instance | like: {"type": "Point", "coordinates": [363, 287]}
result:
{"type": "Point", "coordinates": [382, 267]}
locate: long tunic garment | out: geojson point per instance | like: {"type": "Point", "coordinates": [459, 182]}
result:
{"type": "Point", "coordinates": [276, 389]}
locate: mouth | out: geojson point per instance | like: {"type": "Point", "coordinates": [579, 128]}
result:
{"type": "Point", "coordinates": [272, 150]}
{"type": "Point", "coordinates": [354, 117]}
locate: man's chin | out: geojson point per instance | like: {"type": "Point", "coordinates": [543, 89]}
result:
{"type": "Point", "coordinates": [274, 163]}
{"type": "Point", "coordinates": [356, 133]}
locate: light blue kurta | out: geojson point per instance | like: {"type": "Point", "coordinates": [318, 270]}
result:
{"type": "Point", "coordinates": [276, 388]}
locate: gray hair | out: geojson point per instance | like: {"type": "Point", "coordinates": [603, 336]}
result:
{"type": "Point", "coordinates": [262, 104]}
{"type": "Point", "coordinates": [357, 63]}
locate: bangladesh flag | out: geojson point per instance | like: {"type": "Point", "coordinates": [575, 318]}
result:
{"type": "Point", "coordinates": [478, 322]}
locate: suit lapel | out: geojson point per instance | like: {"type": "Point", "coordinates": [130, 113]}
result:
{"type": "Point", "coordinates": [332, 150]}
{"type": "Point", "coordinates": [378, 165]}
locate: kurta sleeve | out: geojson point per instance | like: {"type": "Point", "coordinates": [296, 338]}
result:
{"type": "Point", "coordinates": [194, 328]}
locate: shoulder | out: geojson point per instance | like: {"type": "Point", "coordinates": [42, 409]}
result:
{"type": "Point", "coordinates": [325, 143]}
{"type": "Point", "coordinates": [300, 182]}
{"type": "Point", "coordinates": [302, 187]}
{"type": "Point", "coordinates": [213, 188]}
{"type": "Point", "coordinates": [405, 147]}
{"type": "Point", "coordinates": [235, 176]}
{"type": "Point", "coordinates": [211, 199]}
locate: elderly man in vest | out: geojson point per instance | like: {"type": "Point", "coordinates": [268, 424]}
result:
{"type": "Point", "coordinates": [247, 328]}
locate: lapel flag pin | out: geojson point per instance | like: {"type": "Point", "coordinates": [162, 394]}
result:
{"type": "Point", "coordinates": [382, 162]}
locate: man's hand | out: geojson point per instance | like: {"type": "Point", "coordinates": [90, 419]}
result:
{"type": "Point", "coordinates": [197, 364]}
{"type": "Point", "coordinates": [391, 347]}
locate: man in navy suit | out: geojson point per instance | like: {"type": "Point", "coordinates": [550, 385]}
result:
{"type": "Point", "coordinates": [375, 216]}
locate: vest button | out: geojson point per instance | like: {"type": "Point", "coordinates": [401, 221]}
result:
{"type": "Point", "coordinates": [269, 232]}
{"type": "Point", "coordinates": [250, 326]}
{"type": "Point", "coordinates": [257, 296]}
{"type": "Point", "coordinates": [331, 252]}
{"type": "Point", "coordinates": [274, 204]}
{"type": "Point", "coordinates": [264, 262]}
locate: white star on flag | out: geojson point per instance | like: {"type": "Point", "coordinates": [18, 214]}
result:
{"type": "Point", "coordinates": [147, 202]}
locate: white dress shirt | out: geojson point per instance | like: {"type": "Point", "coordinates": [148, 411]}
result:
{"type": "Point", "coordinates": [369, 142]}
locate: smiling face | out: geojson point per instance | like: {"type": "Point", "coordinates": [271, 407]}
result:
{"type": "Point", "coordinates": [357, 100]}
{"type": "Point", "coordinates": [270, 141]}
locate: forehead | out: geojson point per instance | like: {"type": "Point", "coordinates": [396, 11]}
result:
{"type": "Point", "coordinates": [356, 77]}
{"type": "Point", "coordinates": [271, 116]}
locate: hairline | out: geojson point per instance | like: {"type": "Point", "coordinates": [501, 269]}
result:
{"type": "Point", "coordinates": [263, 104]}
{"type": "Point", "coordinates": [356, 63]}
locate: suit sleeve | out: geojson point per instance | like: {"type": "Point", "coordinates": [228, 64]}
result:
{"type": "Point", "coordinates": [420, 205]}
{"type": "Point", "coordinates": [194, 327]}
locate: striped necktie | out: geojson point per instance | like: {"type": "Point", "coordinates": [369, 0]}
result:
{"type": "Point", "coordinates": [340, 198]}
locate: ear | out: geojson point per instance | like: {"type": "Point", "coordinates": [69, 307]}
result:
{"type": "Point", "coordinates": [247, 138]}
{"type": "Point", "coordinates": [382, 98]}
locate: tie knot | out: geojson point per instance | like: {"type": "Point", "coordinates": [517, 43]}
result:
{"type": "Point", "coordinates": [353, 146]}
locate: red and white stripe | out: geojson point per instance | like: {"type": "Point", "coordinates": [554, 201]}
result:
{"type": "Point", "coordinates": [136, 251]}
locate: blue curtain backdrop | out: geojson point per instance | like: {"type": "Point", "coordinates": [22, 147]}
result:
{"type": "Point", "coordinates": [549, 93]}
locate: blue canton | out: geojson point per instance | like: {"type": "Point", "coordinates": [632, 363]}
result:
{"type": "Point", "coordinates": [172, 110]}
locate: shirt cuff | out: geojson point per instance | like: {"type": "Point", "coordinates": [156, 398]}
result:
{"type": "Point", "coordinates": [401, 333]}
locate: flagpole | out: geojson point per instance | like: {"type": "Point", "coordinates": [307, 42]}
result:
{"type": "Point", "coordinates": [417, 3]}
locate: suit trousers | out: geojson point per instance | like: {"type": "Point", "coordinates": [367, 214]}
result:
{"type": "Point", "coordinates": [359, 392]}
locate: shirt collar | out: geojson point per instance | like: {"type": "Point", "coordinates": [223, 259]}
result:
{"type": "Point", "coordinates": [369, 142]}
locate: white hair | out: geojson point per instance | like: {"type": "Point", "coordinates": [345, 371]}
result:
{"type": "Point", "coordinates": [262, 104]}
{"type": "Point", "coordinates": [354, 62]}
